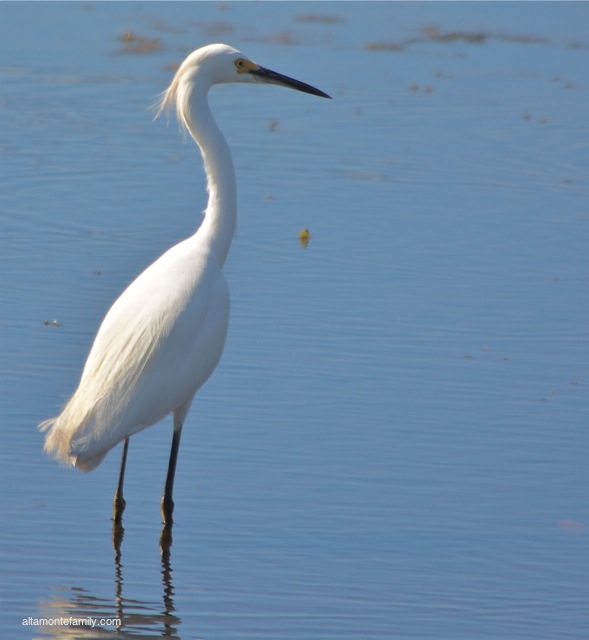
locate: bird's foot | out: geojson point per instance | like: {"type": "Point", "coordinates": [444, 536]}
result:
{"type": "Point", "coordinates": [166, 541]}
{"type": "Point", "coordinates": [119, 505]}
{"type": "Point", "coordinates": [167, 510]}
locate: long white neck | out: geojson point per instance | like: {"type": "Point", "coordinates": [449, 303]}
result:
{"type": "Point", "coordinates": [218, 227]}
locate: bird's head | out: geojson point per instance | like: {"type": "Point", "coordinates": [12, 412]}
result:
{"type": "Point", "coordinates": [220, 64]}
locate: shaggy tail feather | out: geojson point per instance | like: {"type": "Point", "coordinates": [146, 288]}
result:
{"type": "Point", "coordinates": [58, 445]}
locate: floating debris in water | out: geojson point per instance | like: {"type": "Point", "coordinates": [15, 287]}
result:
{"type": "Point", "coordinates": [139, 45]}
{"type": "Point", "coordinates": [319, 18]}
{"type": "Point", "coordinates": [304, 238]}
{"type": "Point", "coordinates": [570, 525]}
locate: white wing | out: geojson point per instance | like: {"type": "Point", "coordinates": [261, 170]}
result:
{"type": "Point", "coordinates": [159, 342]}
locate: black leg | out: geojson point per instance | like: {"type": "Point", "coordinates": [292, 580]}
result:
{"type": "Point", "coordinates": [167, 502]}
{"type": "Point", "coordinates": [119, 502]}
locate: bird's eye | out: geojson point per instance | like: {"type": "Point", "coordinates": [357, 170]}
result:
{"type": "Point", "coordinates": [243, 65]}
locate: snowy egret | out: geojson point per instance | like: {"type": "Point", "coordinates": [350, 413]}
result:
{"type": "Point", "coordinates": [163, 337]}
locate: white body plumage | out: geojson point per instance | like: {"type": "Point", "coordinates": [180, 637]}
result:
{"type": "Point", "coordinates": [159, 342]}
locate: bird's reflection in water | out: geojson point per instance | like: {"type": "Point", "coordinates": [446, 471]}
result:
{"type": "Point", "coordinates": [138, 618]}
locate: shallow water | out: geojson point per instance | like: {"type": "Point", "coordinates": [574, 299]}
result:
{"type": "Point", "coordinates": [394, 444]}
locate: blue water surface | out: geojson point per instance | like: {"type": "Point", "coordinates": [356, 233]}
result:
{"type": "Point", "coordinates": [395, 443]}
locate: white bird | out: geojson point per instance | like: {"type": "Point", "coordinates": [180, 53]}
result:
{"type": "Point", "coordinates": [163, 337]}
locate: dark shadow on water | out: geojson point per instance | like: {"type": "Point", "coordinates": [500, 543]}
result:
{"type": "Point", "coordinates": [139, 618]}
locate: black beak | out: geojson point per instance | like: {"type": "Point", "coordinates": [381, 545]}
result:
{"type": "Point", "coordinates": [272, 77]}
